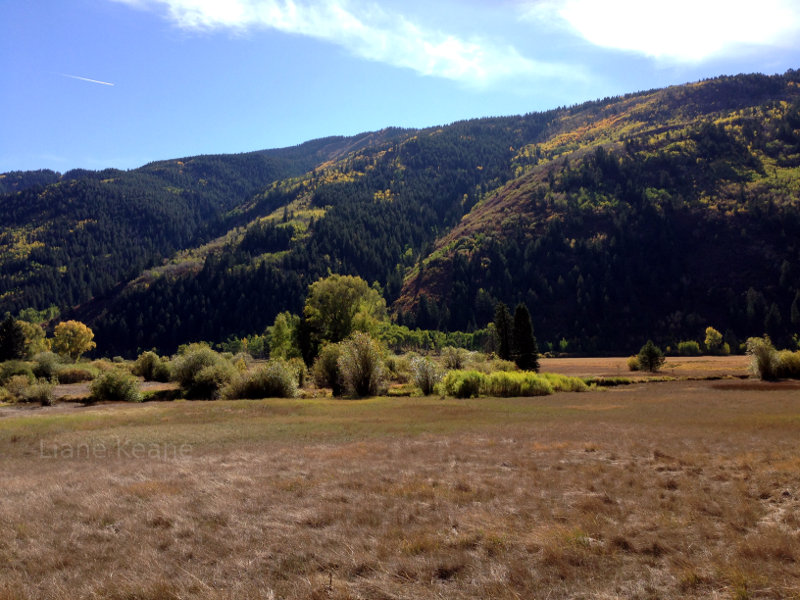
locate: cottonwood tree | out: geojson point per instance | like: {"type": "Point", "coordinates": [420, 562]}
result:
{"type": "Point", "coordinates": [282, 336]}
{"type": "Point", "coordinates": [72, 339]}
{"type": "Point", "coordinates": [338, 305]}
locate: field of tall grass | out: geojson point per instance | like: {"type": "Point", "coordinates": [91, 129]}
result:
{"type": "Point", "coordinates": [684, 489]}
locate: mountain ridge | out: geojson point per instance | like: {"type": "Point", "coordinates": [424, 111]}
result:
{"type": "Point", "coordinates": [399, 207]}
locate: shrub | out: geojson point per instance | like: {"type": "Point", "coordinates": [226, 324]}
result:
{"type": "Point", "coordinates": [453, 358]}
{"type": "Point", "coordinates": [426, 374]}
{"type": "Point", "coordinates": [74, 375]}
{"type": "Point", "coordinates": [713, 341]}
{"type": "Point", "coordinates": [763, 357]}
{"type": "Point", "coordinates": [788, 364]}
{"type": "Point", "coordinates": [463, 384]}
{"type": "Point", "coordinates": [151, 367]}
{"type": "Point", "coordinates": [102, 364]}
{"type": "Point", "coordinates": [6, 396]}
{"type": "Point", "coordinates": [10, 368]}
{"type": "Point", "coordinates": [201, 372]}
{"type": "Point", "coordinates": [361, 365]}
{"type": "Point", "coordinates": [46, 365]}
{"type": "Point", "coordinates": [162, 371]}
{"type": "Point", "coordinates": [650, 357]}
{"type": "Point", "coordinates": [498, 364]}
{"type": "Point", "coordinates": [115, 385]}
{"type": "Point", "coordinates": [16, 386]}
{"type": "Point", "coordinates": [242, 361]}
{"type": "Point", "coordinates": [208, 382]}
{"type": "Point", "coordinates": [41, 392]}
{"type": "Point", "coordinates": [400, 368]}
{"type": "Point", "coordinates": [633, 363]}
{"type": "Point", "coordinates": [491, 365]}
{"type": "Point", "coordinates": [298, 368]}
{"type": "Point", "coordinates": [563, 383]}
{"type": "Point", "coordinates": [326, 369]}
{"type": "Point", "coordinates": [689, 348]}
{"type": "Point", "coordinates": [276, 379]}
{"type": "Point", "coordinates": [505, 384]}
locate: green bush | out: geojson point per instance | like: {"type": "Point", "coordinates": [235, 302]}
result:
{"type": "Point", "coordinates": [763, 358]}
{"type": "Point", "coordinates": [201, 372]}
{"type": "Point", "coordinates": [633, 363]}
{"type": "Point", "coordinates": [788, 364]}
{"type": "Point", "coordinates": [361, 365]}
{"type": "Point", "coordinates": [650, 357]}
{"type": "Point", "coordinates": [74, 375]}
{"type": "Point", "coordinates": [242, 361]}
{"type": "Point", "coordinates": [16, 386]}
{"type": "Point", "coordinates": [276, 379]}
{"type": "Point", "coordinates": [689, 348]}
{"type": "Point", "coordinates": [400, 368]}
{"type": "Point", "coordinates": [504, 384]}
{"type": "Point", "coordinates": [453, 358]}
{"type": "Point", "coordinates": [102, 365]}
{"type": "Point", "coordinates": [151, 367]}
{"type": "Point", "coordinates": [713, 341]}
{"type": "Point", "coordinates": [326, 369]}
{"type": "Point", "coordinates": [6, 396]}
{"type": "Point", "coordinates": [116, 385]}
{"type": "Point", "coordinates": [463, 384]}
{"type": "Point", "coordinates": [525, 383]}
{"type": "Point", "coordinates": [488, 365]}
{"type": "Point", "coordinates": [41, 392]}
{"type": "Point", "coordinates": [46, 365]}
{"type": "Point", "coordinates": [210, 380]}
{"type": "Point", "coordinates": [298, 367]}
{"type": "Point", "coordinates": [426, 374]}
{"type": "Point", "coordinates": [563, 383]}
{"type": "Point", "coordinates": [10, 368]}
{"type": "Point", "coordinates": [162, 371]}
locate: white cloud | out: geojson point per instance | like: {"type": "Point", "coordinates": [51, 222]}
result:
{"type": "Point", "coordinates": [366, 31]}
{"type": "Point", "coordinates": [682, 30]}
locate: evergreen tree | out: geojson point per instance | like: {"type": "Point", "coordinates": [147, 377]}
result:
{"type": "Point", "coordinates": [504, 332]}
{"type": "Point", "coordinates": [12, 340]}
{"type": "Point", "coordinates": [650, 357]}
{"type": "Point", "coordinates": [525, 350]}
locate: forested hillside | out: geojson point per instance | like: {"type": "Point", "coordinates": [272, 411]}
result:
{"type": "Point", "coordinates": [651, 215]}
{"type": "Point", "coordinates": [664, 229]}
{"type": "Point", "coordinates": [68, 238]}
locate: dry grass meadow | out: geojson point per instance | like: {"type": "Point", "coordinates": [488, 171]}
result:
{"type": "Point", "coordinates": [679, 489]}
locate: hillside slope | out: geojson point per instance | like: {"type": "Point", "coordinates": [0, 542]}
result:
{"type": "Point", "coordinates": [669, 212]}
{"type": "Point", "coordinates": [650, 215]}
{"type": "Point", "coordinates": [67, 238]}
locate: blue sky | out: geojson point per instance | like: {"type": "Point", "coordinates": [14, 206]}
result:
{"type": "Point", "coordinates": [119, 83]}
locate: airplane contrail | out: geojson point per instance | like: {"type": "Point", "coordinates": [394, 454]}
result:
{"type": "Point", "coordinates": [86, 79]}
